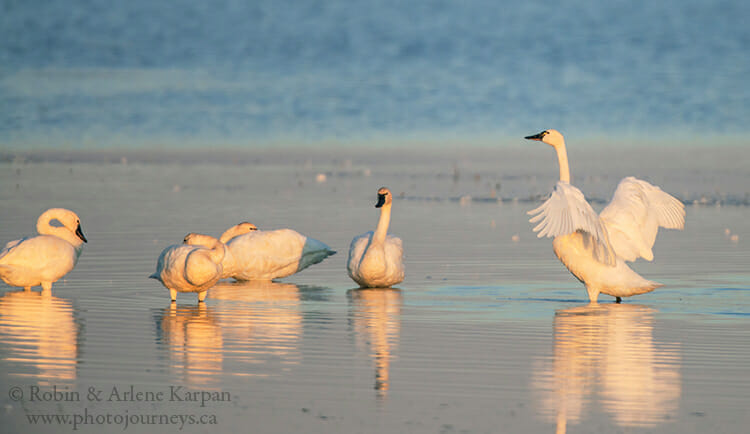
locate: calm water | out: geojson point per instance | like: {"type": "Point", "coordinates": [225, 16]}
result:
{"type": "Point", "coordinates": [484, 335]}
{"type": "Point", "coordinates": [488, 333]}
{"type": "Point", "coordinates": [102, 74]}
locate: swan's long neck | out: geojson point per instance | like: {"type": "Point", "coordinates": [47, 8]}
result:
{"type": "Point", "coordinates": [44, 228]}
{"type": "Point", "coordinates": [382, 229]}
{"type": "Point", "coordinates": [231, 233]}
{"type": "Point", "coordinates": [562, 158]}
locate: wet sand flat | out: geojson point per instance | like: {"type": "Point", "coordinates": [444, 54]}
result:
{"type": "Point", "coordinates": [488, 333]}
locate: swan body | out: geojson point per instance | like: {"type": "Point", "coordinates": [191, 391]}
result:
{"type": "Point", "coordinates": [190, 267]}
{"type": "Point", "coordinates": [595, 248]}
{"type": "Point", "coordinates": [376, 258]}
{"type": "Point", "coordinates": [44, 259]}
{"type": "Point", "coordinates": [252, 254]}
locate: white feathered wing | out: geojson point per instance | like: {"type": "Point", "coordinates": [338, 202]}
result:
{"type": "Point", "coordinates": [634, 216]}
{"type": "Point", "coordinates": [567, 211]}
{"type": "Point", "coordinates": [595, 247]}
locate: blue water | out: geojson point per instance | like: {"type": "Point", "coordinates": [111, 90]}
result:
{"type": "Point", "coordinates": [102, 74]}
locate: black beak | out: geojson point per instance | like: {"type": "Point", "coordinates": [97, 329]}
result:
{"type": "Point", "coordinates": [381, 201]}
{"type": "Point", "coordinates": [80, 235]}
{"type": "Point", "coordinates": [537, 137]}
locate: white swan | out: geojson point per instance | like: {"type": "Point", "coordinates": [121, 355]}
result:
{"type": "Point", "coordinates": [191, 267]}
{"type": "Point", "coordinates": [595, 247]}
{"type": "Point", "coordinates": [376, 258]}
{"type": "Point", "coordinates": [253, 254]}
{"type": "Point", "coordinates": [44, 259]}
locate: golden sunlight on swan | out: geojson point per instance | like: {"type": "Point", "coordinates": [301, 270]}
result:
{"type": "Point", "coordinates": [190, 267]}
{"type": "Point", "coordinates": [40, 333]}
{"type": "Point", "coordinates": [376, 259]}
{"type": "Point", "coordinates": [44, 259]}
{"type": "Point", "coordinates": [608, 350]}
{"type": "Point", "coordinates": [595, 248]}
{"type": "Point", "coordinates": [256, 255]}
{"type": "Point", "coordinates": [376, 317]}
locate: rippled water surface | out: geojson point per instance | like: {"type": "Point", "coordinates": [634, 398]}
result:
{"type": "Point", "coordinates": [488, 333]}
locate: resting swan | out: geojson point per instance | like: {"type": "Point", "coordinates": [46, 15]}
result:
{"type": "Point", "coordinates": [595, 247]}
{"type": "Point", "coordinates": [191, 267]}
{"type": "Point", "coordinates": [44, 259]}
{"type": "Point", "coordinates": [252, 254]}
{"type": "Point", "coordinates": [376, 258]}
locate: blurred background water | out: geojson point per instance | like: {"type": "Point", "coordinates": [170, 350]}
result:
{"type": "Point", "coordinates": [231, 73]}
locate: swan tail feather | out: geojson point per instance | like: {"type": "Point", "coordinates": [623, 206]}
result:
{"type": "Point", "coordinates": [641, 287]}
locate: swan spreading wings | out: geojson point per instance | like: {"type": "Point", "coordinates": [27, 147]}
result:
{"type": "Point", "coordinates": [595, 247]}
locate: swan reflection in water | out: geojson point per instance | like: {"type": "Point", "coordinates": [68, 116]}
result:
{"type": "Point", "coordinates": [263, 319]}
{"type": "Point", "coordinates": [246, 323]}
{"type": "Point", "coordinates": [377, 326]}
{"type": "Point", "coordinates": [193, 337]}
{"type": "Point", "coordinates": [609, 350]}
{"type": "Point", "coordinates": [40, 332]}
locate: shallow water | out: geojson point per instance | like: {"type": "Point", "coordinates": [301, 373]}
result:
{"type": "Point", "coordinates": [486, 334]}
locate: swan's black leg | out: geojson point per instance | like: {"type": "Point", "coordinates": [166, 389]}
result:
{"type": "Point", "coordinates": [618, 300]}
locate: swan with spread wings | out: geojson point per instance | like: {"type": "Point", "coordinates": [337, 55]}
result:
{"type": "Point", "coordinates": [595, 248]}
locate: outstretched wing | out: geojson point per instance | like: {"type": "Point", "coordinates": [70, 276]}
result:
{"type": "Point", "coordinates": [635, 214]}
{"type": "Point", "coordinates": [567, 211]}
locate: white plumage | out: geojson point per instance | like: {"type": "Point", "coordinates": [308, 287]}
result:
{"type": "Point", "coordinates": [634, 216]}
{"type": "Point", "coordinates": [44, 259]}
{"type": "Point", "coordinates": [191, 267]}
{"type": "Point", "coordinates": [567, 211]}
{"type": "Point", "coordinates": [376, 258]}
{"type": "Point", "coordinates": [265, 255]}
{"type": "Point", "coordinates": [595, 247]}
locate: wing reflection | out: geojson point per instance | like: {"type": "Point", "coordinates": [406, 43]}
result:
{"type": "Point", "coordinates": [250, 329]}
{"type": "Point", "coordinates": [376, 319]}
{"type": "Point", "coordinates": [40, 331]}
{"type": "Point", "coordinates": [609, 349]}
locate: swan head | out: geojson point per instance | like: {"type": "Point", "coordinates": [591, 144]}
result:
{"type": "Point", "coordinates": [245, 227]}
{"type": "Point", "coordinates": [384, 197]}
{"type": "Point", "coordinates": [237, 230]}
{"type": "Point", "coordinates": [550, 137]}
{"type": "Point", "coordinates": [67, 218]}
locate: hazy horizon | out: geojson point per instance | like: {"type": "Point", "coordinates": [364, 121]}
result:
{"type": "Point", "coordinates": [96, 75]}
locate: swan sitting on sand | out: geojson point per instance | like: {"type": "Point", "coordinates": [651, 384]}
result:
{"type": "Point", "coordinates": [253, 254]}
{"type": "Point", "coordinates": [44, 259]}
{"type": "Point", "coordinates": [376, 258]}
{"type": "Point", "coordinates": [191, 267]}
{"type": "Point", "coordinates": [595, 247]}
